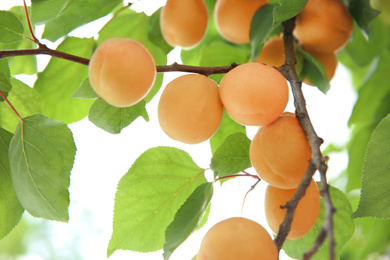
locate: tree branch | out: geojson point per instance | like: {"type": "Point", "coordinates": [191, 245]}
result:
{"type": "Point", "coordinates": [318, 161]}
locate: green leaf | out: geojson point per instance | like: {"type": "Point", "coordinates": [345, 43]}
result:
{"type": "Point", "coordinates": [221, 53]}
{"type": "Point", "coordinates": [227, 127]}
{"type": "Point", "coordinates": [136, 28]}
{"type": "Point", "coordinates": [26, 64]}
{"type": "Point", "coordinates": [261, 27]}
{"type": "Point", "coordinates": [315, 71]}
{"type": "Point", "coordinates": [46, 10]}
{"type": "Point", "coordinates": [287, 9]}
{"type": "Point", "coordinates": [154, 32]}
{"type": "Point", "coordinates": [187, 218]}
{"type": "Point", "coordinates": [11, 29]}
{"type": "Point", "coordinates": [114, 119]}
{"type": "Point", "coordinates": [26, 101]}
{"type": "Point", "coordinates": [148, 197]}
{"type": "Point", "coordinates": [41, 156]}
{"type": "Point", "coordinates": [61, 78]}
{"type": "Point", "coordinates": [375, 193]}
{"type": "Point", "coordinates": [343, 231]}
{"type": "Point", "coordinates": [75, 14]}
{"type": "Point", "coordinates": [5, 76]}
{"type": "Point", "coordinates": [362, 50]}
{"type": "Point", "coordinates": [10, 208]}
{"type": "Point", "coordinates": [363, 14]}
{"type": "Point", "coordinates": [372, 93]}
{"type": "Point", "coordinates": [85, 91]}
{"type": "Point", "coordinates": [232, 156]}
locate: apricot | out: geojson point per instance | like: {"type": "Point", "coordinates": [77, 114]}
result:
{"type": "Point", "coordinates": [184, 23]}
{"type": "Point", "coordinates": [272, 53]}
{"type": "Point", "coordinates": [237, 238]}
{"type": "Point", "coordinates": [190, 109]}
{"type": "Point", "coordinates": [280, 152]}
{"type": "Point", "coordinates": [254, 94]}
{"type": "Point", "coordinates": [328, 59]}
{"type": "Point", "coordinates": [233, 18]}
{"type": "Point", "coordinates": [305, 215]}
{"type": "Point", "coordinates": [323, 25]}
{"type": "Point", "coordinates": [122, 72]}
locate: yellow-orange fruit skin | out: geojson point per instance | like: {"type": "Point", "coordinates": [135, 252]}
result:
{"type": "Point", "coordinates": [237, 238]}
{"type": "Point", "coordinates": [254, 94]}
{"type": "Point", "coordinates": [272, 53]}
{"type": "Point", "coordinates": [122, 72]}
{"type": "Point", "coordinates": [184, 23]}
{"type": "Point", "coordinates": [323, 25]}
{"type": "Point", "coordinates": [280, 152]}
{"type": "Point", "coordinates": [328, 59]}
{"type": "Point", "coordinates": [233, 18]}
{"type": "Point", "coordinates": [305, 215]}
{"type": "Point", "coordinates": [190, 110]}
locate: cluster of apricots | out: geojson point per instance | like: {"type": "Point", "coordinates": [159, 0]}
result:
{"type": "Point", "coordinates": [322, 29]}
{"type": "Point", "coordinates": [190, 109]}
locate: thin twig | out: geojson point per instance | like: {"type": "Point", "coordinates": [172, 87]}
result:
{"type": "Point", "coordinates": [10, 105]}
{"type": "Point", "coordinates": [318, 161]}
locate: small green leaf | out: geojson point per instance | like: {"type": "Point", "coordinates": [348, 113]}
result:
{"type": "Point", "coordinates": [114, 119]}
{"type": "Point", "coordinates": [287, 9]}
{"type": "Point", "coordinates": [154, 32]}
{"type": "Point", "coordinates": [148, 197]}
{"type": "Point", "coordinates": [85, 91]}
{"type": "Point", "coordinates": [61, 78]}
{"type": "Point", "coordinates": [343, 231]}
{"type": "Point", "coordinates": [187, 218]}
{"type": "Point", "coordinates": [232, 156]}
{"type": "Point", "coordinates": [363, 14]}
{"type": "Point", "coordinates": [375, 193]}
{"type": "Point", "coordinates": [5, 76]}
{"type": "Point", "coordinates": [76, 13]}
{"type": "Point", "coordinates": [41, 156]}
{"type": "Point", "coordinates": [315, 71]}
{"type": "Point", "coordinates": [227, 127]}
{"type": "Point", "coordinates": [11, 29]}
{"type": "Point", "coordinates": [10, 208]}
{"type": "Point", "coordinates": [261, 27]}
{"type": "Point", "coordinates": [43, 11]}
{"type": "Point", "coordinates": [26, 101]}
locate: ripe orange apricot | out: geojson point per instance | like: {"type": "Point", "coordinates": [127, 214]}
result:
{"type": "Point", "coordinates": [237, 238]}
{"type": "Point", "coordinates": [323, 25]}
{"type": "Point", "coordinates": [190, 109]}
{"type": "Point", "coordinates": [305, 215]}
{"type": "Point", "coordinates": [233, 18]}
{"type": "Point", "coordinates": [184, 23]}
{"type": "Point", "coordinates": [122, 72]}
{"type": "Point", "coordinates": [280, 152]}
{"type": "Point", "coordinates": [272, 53]}
{"type": "Point", "coordinates": [328, 59]}
{"type": "Point", "coordinates": [254, 94]}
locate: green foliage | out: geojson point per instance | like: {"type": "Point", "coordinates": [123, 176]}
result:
{"type": "Point", "coordinates": [375, 197]}
{"type": "Point", "coordinates": [9, 205]}
{"type": "Point", "coordinates": [344, 231]}
{"type": "Point", "coordinates": [148, 197]}
{"type": "Point", "coordinates": [61, 78]}
{"type": "Point", "coordinates": [188, 218]}
{"type": "Point", "coordinates": [11, 29]}
{"type": "Point", "coordinates": [114, 119]}
{"type": "Point", "coordinates": [232, 156]}
{"type": "Point", "coordinates": [362, 13]}
{"type": "Point", "coordinates": [74, 14]}
{"type": "Point", "coordinates": [41, 155]}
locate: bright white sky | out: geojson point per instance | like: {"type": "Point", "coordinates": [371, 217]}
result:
{"type": "Point", "coordinates": [102, 159]}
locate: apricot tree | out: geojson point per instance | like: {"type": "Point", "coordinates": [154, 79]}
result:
{"type": "Point", "coordinates": [232, 83]}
